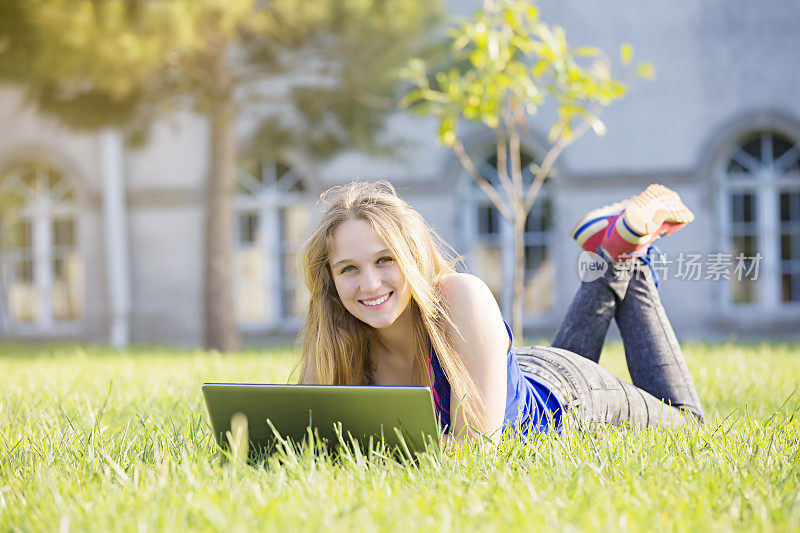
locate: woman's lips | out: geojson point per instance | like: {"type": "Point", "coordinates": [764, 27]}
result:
{"type": "Point", "coordinates": [381, 299]}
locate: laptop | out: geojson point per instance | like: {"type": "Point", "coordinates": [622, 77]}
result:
{"type": "Point", "coordinates": [397, 416]}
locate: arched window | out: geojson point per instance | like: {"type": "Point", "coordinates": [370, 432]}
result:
{"type": "Point", "coordinates": [490, 242]}
{"type": "Point", "coordinates": [42, 269]}
{"type": "Point", "coordinates": [272, 217]}
{"type": "Point", "coordinates": [760, 196]}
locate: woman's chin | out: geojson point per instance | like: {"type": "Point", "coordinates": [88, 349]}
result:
{"type": "Point", "coordinates": [379, 324]}
{"type": "Point", "coordinates": [380, 321]}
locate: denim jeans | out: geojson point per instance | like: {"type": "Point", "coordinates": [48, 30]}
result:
{"type": "Point", "coordinates": [662, 394]}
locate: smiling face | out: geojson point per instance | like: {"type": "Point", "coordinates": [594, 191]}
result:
{"type": "Point", "coordinates": [367, 277]}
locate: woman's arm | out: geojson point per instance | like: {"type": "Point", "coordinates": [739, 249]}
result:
{"type": "Point", "coordinates": [482, 341]}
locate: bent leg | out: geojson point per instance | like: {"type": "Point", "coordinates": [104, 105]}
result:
{"type": "Point", "coordinates": [655, 360]}
{"type": "Point", "coordinates": [594, 395]}
{"type": "Point", "coordinates": [584, 327]}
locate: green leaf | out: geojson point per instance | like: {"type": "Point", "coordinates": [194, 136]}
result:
{"type": "Point", "coordinates": [626, 53]}
{"type": "Point", "coordinates": [586, 51]}
{"type": "Point", "coordinates": [646, 71]}
{"type": "Point", "coordinates": [491, 120]}
{"type": "Point", "coordinates": [447, 130]}
{"type": "Point", "coordinates": [478, 58]}
{"type": "Point", "coordinates": [540, 68]}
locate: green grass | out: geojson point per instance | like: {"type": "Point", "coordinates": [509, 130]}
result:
{"type": "Point", "coordinates": [96, 440]}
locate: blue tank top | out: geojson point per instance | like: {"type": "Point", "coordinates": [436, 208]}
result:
{"type": "Point", "coordinates": [529, 402]}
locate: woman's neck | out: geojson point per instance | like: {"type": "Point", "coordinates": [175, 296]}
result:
{"type": "Point", "coordinates": [393, 352]}
{"type": "Point", "coordinates": [397, 340]}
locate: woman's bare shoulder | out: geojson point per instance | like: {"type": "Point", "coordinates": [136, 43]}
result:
{"type": "Point", "coordinates": [476, 325]}
{"type": "Point", "coordinates": [470, 301]}
{"type": "Point", "coordinates": [461, 286]}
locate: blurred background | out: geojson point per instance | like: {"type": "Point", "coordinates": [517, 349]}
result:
{"type": "Point", "coordinates": [128, 125]}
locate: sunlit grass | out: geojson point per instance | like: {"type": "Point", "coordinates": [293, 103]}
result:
{"type": "Point", "coordinates": [94, 439]}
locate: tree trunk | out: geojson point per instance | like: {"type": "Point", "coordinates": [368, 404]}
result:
{"type": "Point", "coordinates": [221, 332]}
{"type": "Point", "coordinates": [517, 203]}
{"type": "Point", "coordinates": [519, 273]}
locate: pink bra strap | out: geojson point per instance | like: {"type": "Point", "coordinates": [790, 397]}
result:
{"type": "Point", "coordinates": [433, 381]}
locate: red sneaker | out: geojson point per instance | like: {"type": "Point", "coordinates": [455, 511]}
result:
{"type": "Point", "coordinates": [656, 212]}
{"type": "Point", "coordinates": [589, 231]}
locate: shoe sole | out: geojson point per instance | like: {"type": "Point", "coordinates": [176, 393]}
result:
{"type": "Point", "coordinates": [648, 211]}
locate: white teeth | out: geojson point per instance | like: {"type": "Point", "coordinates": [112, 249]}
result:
{"type": "Point", "coordinates": [377, 301]}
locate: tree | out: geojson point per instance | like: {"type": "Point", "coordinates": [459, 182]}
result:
{"type": "Point", "coordinates": [123, 63]}
{"type": "Point", "coordinates": [507, 64]}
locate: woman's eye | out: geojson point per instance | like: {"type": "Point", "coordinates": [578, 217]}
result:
{"type": "Point", "coordinates": [385, 259]}
{"type": "Point", "coordinates": [348, 268]}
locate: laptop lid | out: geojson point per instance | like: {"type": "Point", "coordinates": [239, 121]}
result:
{"type": "Point", "coordinates": [363, 411]}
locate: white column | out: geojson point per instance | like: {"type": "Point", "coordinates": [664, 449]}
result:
{"type": "Point", "coordinates": [42, 241]}
{"type": "Point", "coordinates": [723, 292]}
{"type": "Point", "coordinates": [769, 236]}
{"type": "Point", "coordinates": [116, 237]}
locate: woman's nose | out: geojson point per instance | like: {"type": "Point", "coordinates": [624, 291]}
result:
{"type": "Point", "coordinates": [370, 280]}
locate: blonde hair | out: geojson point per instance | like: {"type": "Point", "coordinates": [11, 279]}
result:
{"type": "Point", "coordinates": [335, 344]}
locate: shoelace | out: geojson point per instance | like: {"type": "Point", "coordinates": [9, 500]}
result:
{"type": "Point", "coordinates": [653, 255]}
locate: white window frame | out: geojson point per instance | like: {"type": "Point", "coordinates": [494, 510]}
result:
{"type": "Point", "coordinates": [472, 196]}
{"type": "Point", "coordinates": [765, 184]}
{"type": "Point", "coordinates": [41, 211]}
{"type": "Point", "coordinates": [266, 201]}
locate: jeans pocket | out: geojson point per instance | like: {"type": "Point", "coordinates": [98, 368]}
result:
{"type": "Point", "coordinates": [554, 369]}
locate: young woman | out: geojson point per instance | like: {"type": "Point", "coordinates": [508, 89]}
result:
{"type": "Point", "coordinates": [387, 307]}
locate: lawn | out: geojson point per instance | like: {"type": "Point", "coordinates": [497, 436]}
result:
{"type": "Point", "coordinates": [96, 440]}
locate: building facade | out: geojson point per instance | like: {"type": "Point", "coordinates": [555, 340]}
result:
{"type": "Point", "coordinates": [107, 244]}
